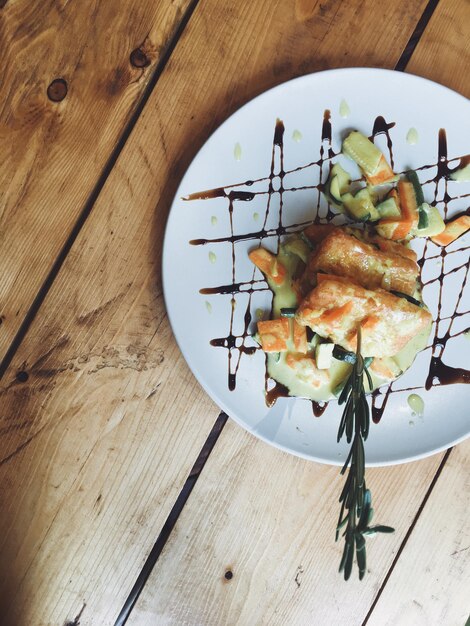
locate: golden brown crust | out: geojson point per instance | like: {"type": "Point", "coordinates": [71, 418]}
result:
{"type": "Point", "coordinates": [343, 254]}
{"type": "Point", "coordinates": [335, 309]}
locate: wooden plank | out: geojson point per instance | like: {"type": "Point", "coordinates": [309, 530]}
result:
{"type": "Point", "coordinates": [437, 554]}
{"type": "Point", "coordinates": [102, 332]}
{"type": "Point", "coordinates": [53, 150]}
{"type": "Point", "coordinates": [445, 47]}
{"type": "Point", "coordinates": [269, 519]}
{"type": "Point", "coordinates": [429, 584]}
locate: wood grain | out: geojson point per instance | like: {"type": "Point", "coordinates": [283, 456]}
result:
{"type": "Point", "coordinates": [445, 47]}
{"type": "Point", "coordinates": [429, 584]}
{"type": "Point", "coordinates": [269, 519]}
{"type": "Point", "coordinates": [99, 438]}
{"type": "Point", "coordinates": [68, 88]}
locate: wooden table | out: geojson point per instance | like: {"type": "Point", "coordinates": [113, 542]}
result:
{"type": "Point", "coordinates": [113, 458]}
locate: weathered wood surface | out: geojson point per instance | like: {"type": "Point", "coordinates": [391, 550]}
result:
{"type": "Point", "coordinates": [54, 143]}
{"type": "Point", "coordinates": [445, 47]}
{"type": "Point", "coordinates": [429, 584]}
{"type": "Point", "coordinates": [269, 519]}
{"type": "Point", "coordinates": [97, 442]}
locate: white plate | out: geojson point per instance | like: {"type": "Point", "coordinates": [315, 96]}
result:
{"type": "Point", "coordinates": [240, 150]}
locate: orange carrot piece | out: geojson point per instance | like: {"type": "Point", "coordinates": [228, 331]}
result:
{"type": "Point", "coordinates": [452, 231]}
{"type": "Point", "coordinates": [383, 174]}
{"type": "Point", "coordinates": [268, 263]}
{"type": "Point", "coordinates": [274, 334]}
{"type": "Point", "coordinates": [300, 337]}
{"type": "Point", "coordinates": [408, 205]}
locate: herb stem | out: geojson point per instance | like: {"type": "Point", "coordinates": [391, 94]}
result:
{"type": "Point", "coordinates": [355, 498]}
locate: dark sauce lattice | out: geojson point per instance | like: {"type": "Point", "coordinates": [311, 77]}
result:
{"type": "Point", "coordinates": [439, 373]}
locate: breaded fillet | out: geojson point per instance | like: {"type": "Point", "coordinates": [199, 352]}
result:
{"type": "Point", "coordinates": [343, 254]}
{"type": "Point", "coordinates": [336, 307]}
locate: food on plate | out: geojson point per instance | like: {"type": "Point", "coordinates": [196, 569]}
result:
{"type": "Point", "coordinates": [336, 307]}
{"type": "Point", "coordinates": [349, 254]}
{"type": "Point", "coordinates": [343, 279]}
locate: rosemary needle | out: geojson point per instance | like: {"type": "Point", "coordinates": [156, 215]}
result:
{"type": "Point", "coordinates": [355, 499]}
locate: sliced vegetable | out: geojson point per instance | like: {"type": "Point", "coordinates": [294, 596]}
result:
{"type": "Point", "coordinates": [453, 230]}
{"type": "Point", "coordinates": [462, 174]}
{"type": "Point", "coordinates": [399, 228]}
{"type": "Point", "coordinates": [334, 190]}
{"type": "Point", "coordinates": [412, 176]}
{"type": "Point", "coordinates": [394, 229]}
{"type": "Point", "coordinates": [274, 334]}
{"type": "Point", "coordinates": [399, 294]}
{"type": "Point", "coordinates": [361, 150]}
{"type": "Point", "coordinates": [323, 355]}
{"type": "Point", "coordinates": [423, 221]}
{"type": "Point", "coordinates": [388, 208]}
{"type": "Point", "coordinates": [408, 203]}
{"type": "Point", "coordinates": [369, 158]}
{"type": "Point", "coordinates": [339, 181]}
{"type": "Point", "coordinates": [344, 178]}
{"type": "Point", "coordinates": [297, 246]}
{"type": "Point", "coordinates": [288, 312]}
{"type": "Point", "coordinates": [299, 337]}
{"type": "Point", "coordinates": [268, 263]}
{"type": "Point", "coordinates": [360, 206]}
{"type": "Point", "coordinates": [430, 221]}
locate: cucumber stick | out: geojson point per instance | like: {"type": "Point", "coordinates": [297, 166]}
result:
{"type": "Point", "coordinates": [361, 150]}
{"type": "Point", "coordinates": [412, 176]}
{"type": "Point", "coordinates": [339, 182]}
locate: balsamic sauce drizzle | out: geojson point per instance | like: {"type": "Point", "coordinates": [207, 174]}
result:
{"type": "Point", "coordinates": [439, 372]}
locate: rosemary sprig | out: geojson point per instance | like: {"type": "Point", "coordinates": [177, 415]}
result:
{"type": "Point", "coordinates": [355, 499]}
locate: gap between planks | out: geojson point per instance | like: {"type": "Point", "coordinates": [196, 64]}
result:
{"type": "Point", "coordinates": [100, 183]}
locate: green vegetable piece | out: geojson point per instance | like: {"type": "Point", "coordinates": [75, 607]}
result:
{"type": "Point", "coordinates": [435, 224]}
{"type": "Point", "coordinates": [288, 312]}
{"type": "Point", "coordinates": [361, 150]}
{"type": "Point", "coordinates": [388, 208]}
{"type": "Point", "coordinates": [412, 176]}
{"type": "Point", "coordinates": [360, 206]}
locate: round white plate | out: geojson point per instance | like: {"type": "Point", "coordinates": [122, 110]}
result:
{"type": "Point", "coordinates": [241, 150]}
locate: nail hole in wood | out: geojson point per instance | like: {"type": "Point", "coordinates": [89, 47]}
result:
{"type": "Point", "coordinates": [22, 377]}
{"type": "Point", "coordinates": [138, 58]}
{"type": "Point", "coordinates": [228, 575]}
{"type": "Point", "coordinates": [57, 90]}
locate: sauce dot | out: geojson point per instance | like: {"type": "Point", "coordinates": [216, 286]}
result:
{"type": "Point", "coordinates": [208, 307]}
{"type": "Point", "coordinates": [212, 257]}
{"type": "Point", "coordinates": [297, 136]}
{"type": "Point", "coordinates": [213, 220]}
{"type": "Point", "coordinates": [412, 137]}
{"type": "Point", "coordinates": [416, 404]}
{"type": "Point", "coordinates": [344, 109]}
{"type": "Point", "coordinates": [237, 152]}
